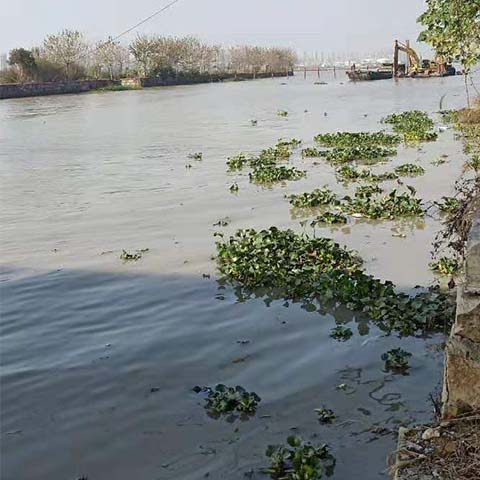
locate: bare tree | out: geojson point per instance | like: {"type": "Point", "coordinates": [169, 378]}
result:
{"type": "Point", "coordinates": [67, 49]}
{"type": "Point", "coordinates": [112, 58]}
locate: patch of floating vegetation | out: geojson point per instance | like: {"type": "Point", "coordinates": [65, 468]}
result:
{"type": "Point", "coordinates": [445, 266]}
{"type": "Point", "coordinates": [228, 400]}
{"type": "Point", "coordinates": [292, 143]}
{"type": "Point", "coordinates": [396, 360]}
{"type": "Point", "coordinates": [280, 258]}
{"type": "Point", "coordinates": [448, 204]}
{"type": "Point", "coordinates": [198, 156]}
{"type": "Point", "coordinates": [284, 264]}
{"type": "Point", "coordinates": [368, 190]}
{"type": "Point", "coordinates": [409, 170]}
{"type": "Point", "coordinates": [223, 222]}
{"type": "Point", "coordinates": [318, 197]}
{"type": "Point", "coordinates": [341, 333]}
{"type": "Point", "coordinates": [299, 460]}
{"type": "Point", "coordinates": [325, 415]}
{"type": "Point", "coordinates": [348, 173]}
{"type": "Point", "coordinates": [312, 152]}
{"type": "Point", "coordinates": [415, 126]}
{"type": "Point", "coordinates": [132, 256]}
{"type": "Point", "coordinates": [270, 174]}
{"type": "Point", "coordinates": [282, 113]}
{"type": "Point", "coordinates": [367, 153]}
{"type": "Point", "coordinates": [237, 162]}
{"type": "Point", "coordinates": [329, 218]}
{"type": "Point", "coordinates": [387, 207]}
{"type": "Point", "coordinates": [440, 160]}
{"type": "Point", "coordinates": [353, 139]}
{"type": "Point", "coordinates": [233, 188]}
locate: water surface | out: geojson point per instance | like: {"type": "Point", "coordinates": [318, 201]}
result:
{"type": "Point", "coordinates": [85, 337]}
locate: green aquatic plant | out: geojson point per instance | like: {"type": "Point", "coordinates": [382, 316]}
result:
{"type": "Point", "coordinates": [330, 218]}
{"type": "Point", "coordinates": [440, 160]}
{"type": "Point", "coordinates": [273, 174]}
{"type": "Point", "coordinates": [348, 173]}
{"type": "Point", "coordinates": [409, 170]}
{"type": "Point", "coordinates": [222, 399]}
{"type": "Point", "coordinates": [319, 196]}
{"type": "Point", "coordinates": [354, 139]}
{"type": "Point", "coordinates": [393, 205]}
{"type": "Point", "coordinates": [341, 333]}
{"type": "Point", "coordinates": [368, 190]}
{"type": "Point", "coordinates": [133, 256]}
{"type": "Point", "coordinates": [233, 188]}
{"type": "Point", "coordinates": [237, 162]}
{"type": "Point", "coordinates": [196, 156]}
{"type": "Point", "coordinates": [445, 266]}
{"type": "Point", "coordinates": [312, 152]}
{"type": "Point", "coordinates": [396, 360]}
{"type": "Point", "coordinates": [367, 153]}
{"type": "Point", "coordinates": [448, 204]}
{"type": "Point", "coordinates": [297, 266]}
{"type": "Point", "coordinates": [280, 259]}
{"type": "Point", "coordinates": [282, 113]}
{"type": "Point", "coordinates": [299, 460]}
{"type": "Point", "coordinates": [414, 125]}
{"type": "Point", "coordinates": [292, 143]}
{"type": "Point", "coordinates": [325, 415]}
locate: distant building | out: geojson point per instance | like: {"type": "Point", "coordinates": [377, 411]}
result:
{"type": "Point", "coordinates": [3, 62]}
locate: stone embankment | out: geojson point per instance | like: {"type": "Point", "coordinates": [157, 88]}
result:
{"type": "Point", "coordinates": [432, 452]}
{"type": "Point", "coordinates": [17, 90]}
{"type": "Point", "coordinates": [461, 387]}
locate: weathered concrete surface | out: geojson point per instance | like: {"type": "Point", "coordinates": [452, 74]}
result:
{"type": "Point", "coordinates": [461, 388]}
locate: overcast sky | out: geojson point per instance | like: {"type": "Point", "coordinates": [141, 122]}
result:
{"type": "Point", "coordinates": [306, 25]}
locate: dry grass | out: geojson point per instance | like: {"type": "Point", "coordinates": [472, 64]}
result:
{"type": "Point", "coordinates": [451, 451]}
{"type": "Point", "coordinates": [457, 224]}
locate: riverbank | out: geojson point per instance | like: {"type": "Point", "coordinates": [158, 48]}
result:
{"type": "Point", "coordinates": [450, 448]}
{"type": "Point", "coordinates": [17, 90]}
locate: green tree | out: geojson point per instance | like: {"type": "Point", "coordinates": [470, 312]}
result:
{"type": "Point", "coordinates": [452, 28]}
{"type": "Point", "coordinates": [25, 61]}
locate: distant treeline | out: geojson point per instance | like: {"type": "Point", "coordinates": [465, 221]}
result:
{"type": "Point", "coordinates": [69, 56]}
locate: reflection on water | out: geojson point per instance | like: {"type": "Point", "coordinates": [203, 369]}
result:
{"type": "Point", "coordinates": [99, 356]}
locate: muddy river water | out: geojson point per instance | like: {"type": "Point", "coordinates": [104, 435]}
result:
{"type": "Point", "coordinates": [99, 356]}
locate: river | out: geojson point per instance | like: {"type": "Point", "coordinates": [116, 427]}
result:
{"type": "Point", "coordinates": [99, 356]}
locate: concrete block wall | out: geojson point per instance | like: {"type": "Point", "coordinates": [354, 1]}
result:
{"type": "Point", "coordinates": [461, 386]}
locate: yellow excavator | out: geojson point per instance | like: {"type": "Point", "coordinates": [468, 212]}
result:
{"type": "Point", "coordinates": [416, 67]}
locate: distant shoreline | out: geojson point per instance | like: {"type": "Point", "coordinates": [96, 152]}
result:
{"type": "Point", "coordinates": [18, 90]}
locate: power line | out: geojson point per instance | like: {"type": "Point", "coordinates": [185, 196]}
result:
{"type": "Point", "coordinates": [166, 7]}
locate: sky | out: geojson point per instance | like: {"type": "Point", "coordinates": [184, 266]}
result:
{"type": "Point", "coordinates": [305, 25]}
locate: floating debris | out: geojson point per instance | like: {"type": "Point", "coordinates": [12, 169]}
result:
{"type": "Point", "coordinates": [132, 256]}
{"type": "Point", "coordinates": [198, 156]}
{"type": "Point", "coordinates": [282, 113]}
{"type": "Point", "coordinates": [233, 188]}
